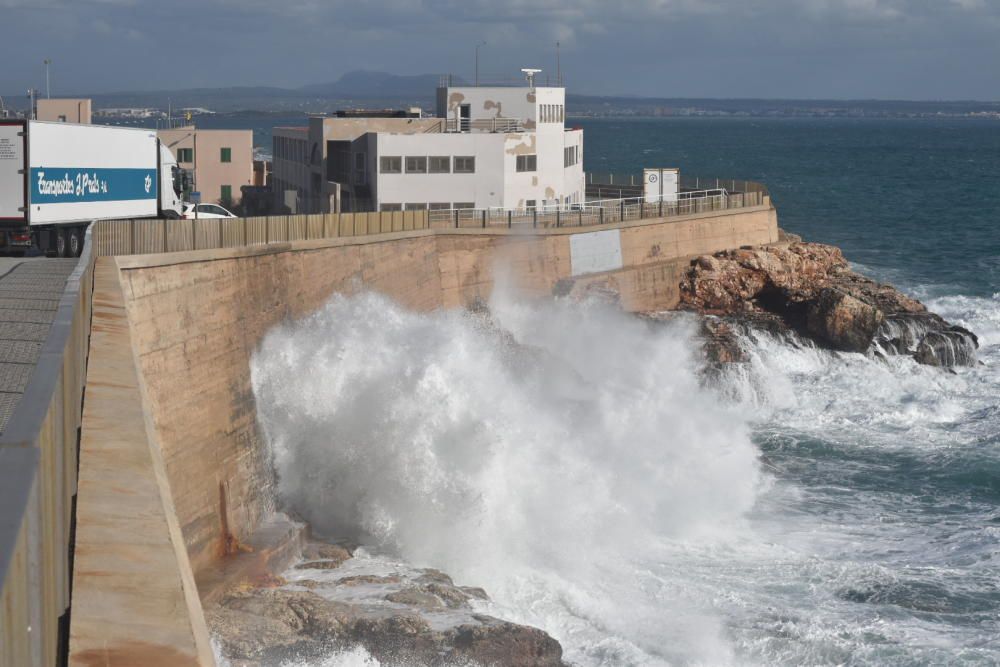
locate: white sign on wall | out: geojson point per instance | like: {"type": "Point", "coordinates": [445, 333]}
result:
{"type": "Point", "coordinates": [595, 252]}
{"type": "Point", "coordinates": [661, 184]}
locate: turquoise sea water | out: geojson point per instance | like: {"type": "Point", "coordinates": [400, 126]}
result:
{"type": "Point", "coordinates": [880, 539]}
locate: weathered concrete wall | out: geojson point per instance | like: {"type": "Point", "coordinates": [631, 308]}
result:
{"type": "Point", "coordinates": [169, 396]}
{"type": "Point", "coordinates": [134, 596]}
{"type": "Point", "coordinates": [196, 323]}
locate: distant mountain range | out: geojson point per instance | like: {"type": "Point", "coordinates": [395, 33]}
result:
{"type": "Point", "coordinates": [384, 90]}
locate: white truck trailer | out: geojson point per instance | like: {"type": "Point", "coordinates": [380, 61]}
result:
{"type": "Point", "coordinates": [57, 178]}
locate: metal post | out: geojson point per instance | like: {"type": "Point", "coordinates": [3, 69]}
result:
{"type": "Point", "coordinates": [510, 215]}
{"type": "Point", "coordinates": [534, 217]}
{"type": "Point", "coordinates": [484, 218]}
{"type": "Point", "coordinates": [47, 63]}
{"type": "Point", "coordinates": [558, 218]}
{"type": "Point", "coordinates": [477, 61]}
{"type": "Point", "coordinates": [600, 216]}
{"type": "Point", "coordinates": [456, 218]}
{"type": "Point", "coordinates": [621, 215]}
{"type": "Point", "coordinates": [579, 217]}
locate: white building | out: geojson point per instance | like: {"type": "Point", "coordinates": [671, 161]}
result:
{"type": "Point", "coordinates": [488, 147]}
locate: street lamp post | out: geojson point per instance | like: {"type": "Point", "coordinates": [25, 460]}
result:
{"type": "Point", "coordinates": [477, 61]}
{"type": "Point", "coordinates": [47, 63]}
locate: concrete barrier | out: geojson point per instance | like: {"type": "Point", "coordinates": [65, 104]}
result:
{"type": "Point", "coordinates": [38, 467]}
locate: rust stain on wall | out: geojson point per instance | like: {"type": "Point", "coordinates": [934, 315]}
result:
{"type": "Point", "coordinates": [454, 100]}
{"type": "Point", "coordinates": [525, 144]}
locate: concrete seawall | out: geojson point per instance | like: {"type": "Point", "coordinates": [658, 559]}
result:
{"type": "Point", "coordinates": [169, 398]}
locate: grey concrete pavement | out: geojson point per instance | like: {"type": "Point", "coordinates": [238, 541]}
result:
{"type": "Point", "coordinates": [30, 288]}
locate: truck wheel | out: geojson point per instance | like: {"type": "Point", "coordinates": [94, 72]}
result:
{"type": "Point", "coordinates": [61, 244]}
{"type": "Point", "coordinates": [75, 242]}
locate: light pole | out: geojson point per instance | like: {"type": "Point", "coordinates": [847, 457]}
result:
{"type": "Point", "coordinates": [47, 63]}
{"type": "Point", "coordinates": [477, 61]}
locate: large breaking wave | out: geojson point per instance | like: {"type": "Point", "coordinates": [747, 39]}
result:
{"type": "Point", "coordinates": [803, 508]}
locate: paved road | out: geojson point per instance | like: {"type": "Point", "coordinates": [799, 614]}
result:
{"type": "Point", "coordinates": [30, 289]}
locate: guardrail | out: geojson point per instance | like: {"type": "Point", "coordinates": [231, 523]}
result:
{"type": "Point", "coordinates": [629, 180]}
{"type": "Point", "coordinates": [136, 237]}
{"type": "Point", "coordinates": [38, 475]}
{"type": "Point", "coordinates": [598, 212]}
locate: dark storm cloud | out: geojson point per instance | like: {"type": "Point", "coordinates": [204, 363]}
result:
{"type": "Point", "coordinates": [926, 49]}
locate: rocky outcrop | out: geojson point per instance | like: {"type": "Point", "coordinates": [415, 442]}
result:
{"type": "Point", "coordinates": [808, 288]}
{"type": "Point", "coordinates": [407, 618]}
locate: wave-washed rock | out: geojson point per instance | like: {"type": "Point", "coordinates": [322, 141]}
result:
{"type": "Point", "coordinates": [809, 288]}
{"type": "Point", "coordinates": [410, 617]}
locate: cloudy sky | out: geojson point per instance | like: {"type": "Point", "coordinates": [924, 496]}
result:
{"type": "Point", "coordinates": [887, 49]}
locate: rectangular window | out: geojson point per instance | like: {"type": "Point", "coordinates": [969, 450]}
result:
{"type": "Point", "coordinates": [185, 155]}
{"type": "Point", "coordinates": [527, 162]}
{"type": "Point", "coordinates": [226, 194]}
{"type": "Point", "coordinates": [225, 155]}
{"type": "Point", "coordinates": [391, 165]}
{"type": "Point", "coordinates": [440, 164]}
{"type": "Point", "coordinates": [416, 165]}
{"type": "Point", "coordinates": [465, 205]}
{"type": "Point", "coordinates": [530, 204]}
{"type": "Point", "coordinates": [391, 207]}
{"type": "Point", "coordinates": [416, 207]}
{"type": "Point", "coordinates": [465, 165]}
{"type": "Point", "coordinates": [443, 206]}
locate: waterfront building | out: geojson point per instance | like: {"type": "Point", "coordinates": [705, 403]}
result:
{"type": "Point", "coordinates": [219, 162]}
{"type": "Point", "coordinates": [64, 110]}
{"type": "Point", "coordinates": [486, 147]}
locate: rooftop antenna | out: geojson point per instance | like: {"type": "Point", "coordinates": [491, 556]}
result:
{"type": "Point", "coordinates": [558, 67]}
{"type": "Point", "coordinates": [529, 74]}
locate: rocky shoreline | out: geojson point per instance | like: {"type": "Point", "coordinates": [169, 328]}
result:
{"type": "Point", "coordinates": [808, 290]}
{"type": "Point", "coordinates": [331, 602]}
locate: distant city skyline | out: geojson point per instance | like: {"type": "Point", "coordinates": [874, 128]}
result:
{"type": "Point", "coordinates": [788, 49]}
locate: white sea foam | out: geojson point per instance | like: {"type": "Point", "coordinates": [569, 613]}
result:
{"type": "Point", "coordinates": [546, 471]}
{"type": "Point", "coordinates": [595, 488]}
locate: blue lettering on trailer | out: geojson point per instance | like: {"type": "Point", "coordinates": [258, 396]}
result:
{"type": "Point", "coordinates": [62, 185]}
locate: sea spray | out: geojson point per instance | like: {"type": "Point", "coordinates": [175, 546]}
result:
{"type": "Point", "coordinates": [548, 451]}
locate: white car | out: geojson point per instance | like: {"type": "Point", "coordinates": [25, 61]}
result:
{"type": "Point", "coordinates": [192, 211]}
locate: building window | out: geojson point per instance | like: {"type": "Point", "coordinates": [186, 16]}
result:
{"type": "Point", "coordinates": [571, 156]}
{"type": "Point", "coordinates": [530, 204]}
{"type": "Point", "coordinates": [465, 165]}
{"type": "Point", "coordinates": [225, 155]}
{"type": "Point", "coordinates": [440, 164]}
{"type": "Point", "coordinates": [391, 207]}
{"type": "Point", "coordinates": [527, 162]}
{"type": "Point", "coordinates": [442, 206]}
{"type": "Point", "coordinates": [465, 205]}
{"type": "Point", "coordinates": [227, 194]}
{"type": "Point", "coordinates": [416, 207]}
{"type": "Point", "coordinates": [391, 165]}
{"type": "Point", "coordinates": [185, 155]}
{"type": "Point", "coordinates": [416, 165]}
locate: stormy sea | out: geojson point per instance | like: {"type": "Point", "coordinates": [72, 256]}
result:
{"type": "Point", "coordinates": [805, 507]}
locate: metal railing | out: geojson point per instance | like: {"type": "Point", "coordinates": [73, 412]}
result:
{"type": "Point", "coordinates": [38, 477]}
{"type": "Point", "coordinates": [500, 125]}
{"type": "Point", "coordinates": [142, 236]}
{"type": "Point", "coordinates": [628, 180]}
{"type": "Point", "coordinates": [598, 212]}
